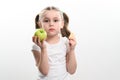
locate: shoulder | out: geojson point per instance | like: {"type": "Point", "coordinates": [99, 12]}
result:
{"type": "Point", "coordinates": [35, 47]}
{"type": "Point", "coordinates": [64, 39]}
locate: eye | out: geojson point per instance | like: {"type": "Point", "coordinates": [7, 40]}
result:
{"type": "Point", "coordinates": [56, 20]}
{"type": "Point", "coordinates": [45, 20]}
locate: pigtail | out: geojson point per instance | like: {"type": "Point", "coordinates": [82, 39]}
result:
{"type": "Point", "coordinates": [37, 24]}
{"type": "Point", "coordinates": [64, 31]}
{"type": "Point", "coordinates": [36, 21]}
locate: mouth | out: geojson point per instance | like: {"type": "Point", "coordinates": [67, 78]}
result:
{"type": "Point", "coordinates": [51, 29]}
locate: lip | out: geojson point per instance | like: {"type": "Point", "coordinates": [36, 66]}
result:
{"type": "Point", "coordinates": [51, 29]}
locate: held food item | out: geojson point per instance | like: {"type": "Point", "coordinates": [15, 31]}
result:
{"type": "Point", "coordinates": [71, 36]}
{"type": "Point", "coordinates": [41, 33]}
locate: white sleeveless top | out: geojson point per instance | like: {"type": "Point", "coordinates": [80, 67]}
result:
{"type": "Point", "coordinates": [57, 60]}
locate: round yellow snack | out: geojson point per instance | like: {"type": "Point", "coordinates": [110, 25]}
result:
{"type": "Point", "coordinates": [71, 36]}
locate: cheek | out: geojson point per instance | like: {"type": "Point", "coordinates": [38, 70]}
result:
{"type": "Point", "coordinates": [58, 29]}
{"type": "Point", "coordinates": [45, 25]}
{"type": "Point", "coordinates": [59, 24]}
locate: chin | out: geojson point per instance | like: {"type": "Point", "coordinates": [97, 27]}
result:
{"type": "Point", "coordinates": [52, 34]}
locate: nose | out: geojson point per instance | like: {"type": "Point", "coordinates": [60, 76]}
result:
{"type": "Point", "coordinates": [51, 23]}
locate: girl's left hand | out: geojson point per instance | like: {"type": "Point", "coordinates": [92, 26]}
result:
{"type": "Point", "coordinates": [72, 42]}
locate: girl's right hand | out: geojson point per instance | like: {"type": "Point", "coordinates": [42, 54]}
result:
{"type": "Point", "coordinates": [37, 41]}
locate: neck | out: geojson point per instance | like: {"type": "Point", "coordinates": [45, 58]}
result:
{"type": "Point", "coordinates": [53, 39]}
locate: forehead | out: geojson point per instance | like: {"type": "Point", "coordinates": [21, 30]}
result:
{"type": "Point", "coordinates": [51, 14]}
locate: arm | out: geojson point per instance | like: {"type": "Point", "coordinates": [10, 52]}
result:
{"type": "Point", "coordinates": [43, 65]}
{"type": "Point", "coordinates": [41, 58]}
{"type": "Point", "coordinates": [36, 55]}
{"type": "Point", "coordinates": [71, 63]}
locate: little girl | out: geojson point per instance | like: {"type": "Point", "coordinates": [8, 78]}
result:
{"type": "Point", "coordinates": [55, 56]}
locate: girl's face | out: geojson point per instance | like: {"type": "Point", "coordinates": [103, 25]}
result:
{"type": "Point", "coordinates": [52, 22]}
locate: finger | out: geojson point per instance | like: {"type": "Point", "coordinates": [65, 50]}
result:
{"type": "Point", "coordinates": [38, 39]}
{"type": "Point", "coordinates": [72, 41]}
{"type": "Point", "coordinates": [35, 39]}
{"type": "Point", "coordinates": [71, 36]}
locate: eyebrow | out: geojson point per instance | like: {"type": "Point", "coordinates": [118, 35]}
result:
{"type": "Point", "coordinates": [53, 18]}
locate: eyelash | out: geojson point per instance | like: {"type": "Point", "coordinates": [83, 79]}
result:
{"type": "Point", "coordinates": [49, 20]}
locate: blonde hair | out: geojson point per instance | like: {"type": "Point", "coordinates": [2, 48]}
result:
{"type": "Point", "coordinates": [64, 31]}
{"type": "Point", "coordinates": [41, 14]}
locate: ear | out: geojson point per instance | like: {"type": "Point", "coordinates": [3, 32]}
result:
{"type": "Point", "coordinates": [62, 24]}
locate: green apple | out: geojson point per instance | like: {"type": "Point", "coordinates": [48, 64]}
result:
{"type": "Point", "coordinates": [41, 33]}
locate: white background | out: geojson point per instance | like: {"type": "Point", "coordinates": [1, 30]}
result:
{"type": "Point", "coordinates": [96, 24]}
